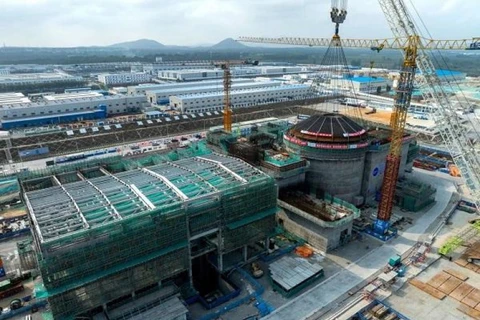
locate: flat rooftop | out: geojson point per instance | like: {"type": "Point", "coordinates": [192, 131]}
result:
{"type": "Point", "coordinates": [67, 208]}
{"type": "Point", "coordinates": [13, 98]}
{"type": "Point", "coordinates": [70, 96]}
{"type": "Point", "coordinates": [33, 76]}
{"type": "Point", "coordinates": [235, 92]}
{"type": "Point", "coordinates": [214, 86]}
{"type": "Point", "coordinates": [100, 98]}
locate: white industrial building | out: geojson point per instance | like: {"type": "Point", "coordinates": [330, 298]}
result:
{"type": "Point", "coordinates": [239, 71]}
{"type": "Point", "coordinates": [124, 78]}
{"type": "Point", "coordinates": [37, 78]}
{"type": "Point", "coordinates": [143, 88]}
{"type": "Point", "coordinates": [162, 96]}
{"type": "Point", "coordinates": [239, 98]}
{"type": "Point", "coordinates": [362, 84]}
{"type": "Point", "coordinates": [191, 75]}
{"type": "Point", "coordinates": [68, 103]}
{"type": "Point", "coordinates": [13, 98]}
{"type": "Point", "coordinates": [155, 68]}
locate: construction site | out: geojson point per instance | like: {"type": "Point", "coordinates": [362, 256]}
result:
{"type": "Point", "coordinates": [273, 215]}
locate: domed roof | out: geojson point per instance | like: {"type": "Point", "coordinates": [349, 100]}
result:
{"type": "Point", "coordinates": [332, 127]}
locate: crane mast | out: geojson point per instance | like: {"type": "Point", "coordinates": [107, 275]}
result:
{"type": "Point", "coordinates": [397, 123]}
{"type": "Point", "coordinates": [415, 47]}
{"type": "Point", "coordinates": [450, 127]}
{"type": "Point", "coordinates": [227, 85]}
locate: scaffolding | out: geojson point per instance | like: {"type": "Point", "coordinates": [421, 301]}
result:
{"type": "Point", "coordinates": [107, 235]}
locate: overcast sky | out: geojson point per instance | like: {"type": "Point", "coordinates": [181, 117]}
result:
{"type": "Point", "coordinates": [192, 22]}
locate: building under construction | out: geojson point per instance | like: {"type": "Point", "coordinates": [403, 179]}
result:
{"type": "Point", "coordinates": [346, 159]}
{"type": "Point", "coordinates": [107, 232]}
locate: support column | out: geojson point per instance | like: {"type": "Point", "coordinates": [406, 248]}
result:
{"type": "Point", "coordinates": [189, 247]}
{"type": "Point", "coordinates": [220, 250]}
{"type": "Point", "coordinates": [245, 253]}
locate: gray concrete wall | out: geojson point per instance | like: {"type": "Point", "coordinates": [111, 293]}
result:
{"type": "Point", "coordinates": [339, 172]}
{"type": "Point", "coordinates": [323, 239]}
{"type": "Point", "coordinates": [314, 239]}
{"type": "Point", "coordinates": [291, 181]}
{"type": "Point", "coordinates": [340, 178]}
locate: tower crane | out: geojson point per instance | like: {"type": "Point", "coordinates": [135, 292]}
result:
{"type": "Point", "coordinates": [414, 47]}
{"type": "Point", "coordinates": [227, 85]}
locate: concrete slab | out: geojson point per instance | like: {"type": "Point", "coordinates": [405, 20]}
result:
{"type": "Point", "coordinates": [330, 290]}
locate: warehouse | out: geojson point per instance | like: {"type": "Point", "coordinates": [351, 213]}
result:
{"type": "Point", "coordinates": [143, 88]}
{"type": "Point", "coordinates": [161, 96]}
{"type": "Point", "coordinates": [13, 98]}
{"type": "Point", "coordinates": [362, 84]}
{"type": "Point", "coordinates": [116, 104]}
{"type": "Point", "coordinates": [106, 234]}
{"type": "Point", "coordinates": [239, 98]}
{"type": "Point", "coordinates": [240, 71]}
{"type": "Point", "coordinates": [37, 78]}
{"type": "Point", "coordinates": [94, 114]}
{"type": "Point", "coordinates": [124, 78]}
{"type": "Point", "coordinates": [191, 74]}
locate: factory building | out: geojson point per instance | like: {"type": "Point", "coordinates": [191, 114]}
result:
{"type": "Point", "coordinates": [362, 84]}
{"type": "Point", "coordinates": [239, 98]}
{"type": "Point", "coordinates": [155, 68]}
{"type": "Point", "coordinates": [106, 234]}
{"type": "Point", "coordinates": [240, 71]}
{"type": "Point", "coordinates": [29, 79]}
{"type": "Point", "coordinates": [162, 96]}
{"type": "Point", "coordinates": [191, 74]}
{"type": "Point", "coordinates": [13, 98]}
{"type": "Point", "coordinates": [4, 71]}
{"type": "Point", "coordinates": [71, 107]}
{"type": "Point", "coordinates": [124, 78]}
{"type": "Point", "coordinates": [143, 88]}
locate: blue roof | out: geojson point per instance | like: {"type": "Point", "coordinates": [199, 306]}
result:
{"type": "Point", "coordinates": [445, 73]}
{"type": "Point", "coordinates": [367, 79]}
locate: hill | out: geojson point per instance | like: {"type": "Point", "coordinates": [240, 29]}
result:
{"type": "Point", "coordinates": [229, 43]}
{"type": "Point", "coordinates": [139, 44]}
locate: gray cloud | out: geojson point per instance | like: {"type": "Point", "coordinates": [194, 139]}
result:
{"type": "Point", "coordinates": [189, 22]}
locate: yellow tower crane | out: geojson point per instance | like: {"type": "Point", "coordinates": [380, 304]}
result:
{"type": "Point", "coordinates": [227, 85]}
{"type": "Point", "coordinates": [414, 47]}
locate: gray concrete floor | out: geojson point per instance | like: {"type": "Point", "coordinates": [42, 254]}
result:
{"type": "Point", "coordinates": [327, 292]}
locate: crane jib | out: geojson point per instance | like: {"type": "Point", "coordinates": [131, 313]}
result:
{"type": "Point", "coordinates": [474, 46]}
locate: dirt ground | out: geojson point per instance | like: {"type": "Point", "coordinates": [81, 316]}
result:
{"type": "Point", "coordinates": [12, 213]}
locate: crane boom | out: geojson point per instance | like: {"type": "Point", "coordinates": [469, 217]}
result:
{"type": "Point", "coordinates": [404, 32]}
{"type": "Point", "coordinates": [400, 43]}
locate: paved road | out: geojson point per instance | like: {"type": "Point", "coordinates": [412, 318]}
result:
{"type": "Point", "coordinates": [328, 291]}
